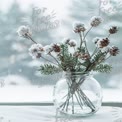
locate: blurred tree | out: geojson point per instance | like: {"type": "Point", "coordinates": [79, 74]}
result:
{"type": "Point", "coordinates": [14, 50]}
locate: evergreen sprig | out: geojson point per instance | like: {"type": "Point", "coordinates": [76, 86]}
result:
{"type": "Point", "coordinates": [68, 56]}
{"type": "Point", "coordinates": [97, 56]}
{"type": "Point", "coordinates": [68, 61]}
{"type": "Point", "coordinates": [104, 68]}
{"type": "Point", "coordinates": [49, 69]}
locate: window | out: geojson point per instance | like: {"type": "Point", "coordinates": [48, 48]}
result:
{"type": "Point", "coordinates": [19, 79]}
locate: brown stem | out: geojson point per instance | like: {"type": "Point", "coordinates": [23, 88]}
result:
{"type": "Point", "coordinates": [86, 46]}
{"type": "Point", "coordinates": [109, 35]}
{"type": "Point", "coordinates": [53, 58]}
{"type": "Point", "coordinates": [81, 95]}
{"type": "Point", "coordinates": [79, 102]}
{"type": "Point", "coordinates": [48, 60]}
{"type": "Point", "coordinates": [94, 52]}
{"type": "Point", "coordinates": [72, 104]}
{"type": "Point", "coordinates": [87, 100]}
{"type": "Point", "coordinates": [81, 41]}
{"type": "Point", "coordinates": [87, 33]}
{"type": "Point", "coordinates": [31, 39]}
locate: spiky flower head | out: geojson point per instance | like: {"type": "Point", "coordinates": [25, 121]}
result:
{"type": "Point", "coordinates": [95, 21]}
{"type": "Point", "coordinates": [24, 31]}
{"type": "Point", "coordinates": [113, 30]}
{"type": "Point", "coordinates": [114, 51]}
{"type": "Point", "coordinates": [78, 27]}
{"type": "Point", "coordinates": [36, 50]}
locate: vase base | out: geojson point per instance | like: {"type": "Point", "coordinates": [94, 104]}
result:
{"type": "Point", "coordinates": [78, 113]}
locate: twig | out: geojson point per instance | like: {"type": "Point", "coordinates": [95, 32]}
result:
{"type": "Point", "coordinates": [108, 57]}
{"type": "Point", "coordinates": [109, 35]}
{"type": "Point", "coordinates": [81, 41]}
{"type": "Point", "coordinates": [54, 58]}
{"type": "Point", "coordinates": [31, 39]}
{"type": "Point", "coordinates": [86, 46]}
{"type": "Point", "coordinates": [88, 102]}
{"type": "Point", "coordinates": [48, 60]}
{"type": "Point", "coordinates": [79, 102]}
{"type": "Point", "coordinates": [80, 94]}
{"type": "Point", "coordinates": [87, 33]}
{"type": "Point", "coordinates": [68, 97]}
{"type": "Point", "coordinates": [96, 49]}
{"type": "Point", "coordinates": [72, 104]}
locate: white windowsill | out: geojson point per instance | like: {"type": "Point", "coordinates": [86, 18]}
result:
{"type": "Point", "coordinates": [37, 94]}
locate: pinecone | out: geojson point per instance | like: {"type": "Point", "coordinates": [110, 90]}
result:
{"type": "Point", "coordinates": [85, 56]}
{"type": "Point", "coordinates": [114, 51]}
{"type": "Point", "coordinates": [113, 30]}
{"type": "Point", "coordinates": [56, 48]}
{"type": "Point", "coordinates": [104, 43]}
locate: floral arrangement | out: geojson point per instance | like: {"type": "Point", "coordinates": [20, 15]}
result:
{"type": "Point", "coordinates": [76, 59]}
{"type": "Point", "coordinates": [68, 56]}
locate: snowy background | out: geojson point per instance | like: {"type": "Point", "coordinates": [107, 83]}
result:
{"type": "Point", "coordinates": [18, 70]}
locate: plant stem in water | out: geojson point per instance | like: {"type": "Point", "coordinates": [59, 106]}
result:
{"type": "Point", "coordinates": [72, 104]}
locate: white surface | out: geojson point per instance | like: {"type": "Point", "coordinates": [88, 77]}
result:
{"type": "Point", "coordinates": [47, 114]}
{"type": "Point", "coordinates": [44, 94]}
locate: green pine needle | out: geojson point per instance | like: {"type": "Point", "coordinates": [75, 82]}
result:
{"type": "Point", "coordinates": [104, 68]}
{"type": "Point", "coordinates": [48, 69]}
{"type": "Point", "coordinates": [97, 56]}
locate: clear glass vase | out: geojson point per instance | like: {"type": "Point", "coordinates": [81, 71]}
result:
{"type": "Point", "coordinates": [77, 94]}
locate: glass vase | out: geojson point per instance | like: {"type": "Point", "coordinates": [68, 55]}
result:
{"type": "Point", "coordinates": [77, 94]}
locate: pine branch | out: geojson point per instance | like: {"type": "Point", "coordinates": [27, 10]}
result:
{"type": "Point", "coordinates": [64, 49]}
{"type": "Point", "coordinates": [86, 63]}
{"type": "Point", "coordinates": [97, 56]}
{"type": "Point", "coordinates": [82, 49]}
{"type": "Point", "coordinates": [48, 69]}
{"type": "Point", "coordinates": [80, 69]}
{"type": "Point", "coordinates": [68, 61]}
{"type": "Point", "coordinates": [95, 61]}
{"type": "Point", "coordinates": [104, 68]}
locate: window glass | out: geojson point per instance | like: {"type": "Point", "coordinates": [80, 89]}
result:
{"type": "Point", "coordinates": [20, 79]}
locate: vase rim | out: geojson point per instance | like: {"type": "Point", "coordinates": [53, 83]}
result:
{"type": "Point", "coordinates": [75, 73]}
